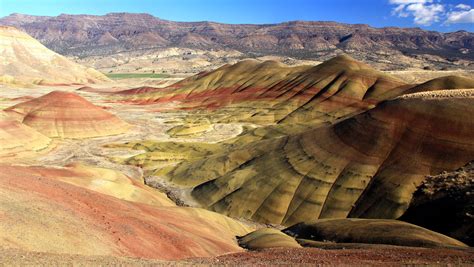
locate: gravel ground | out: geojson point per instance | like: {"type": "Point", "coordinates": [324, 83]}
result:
{"type": "Point", "coordinates": [386, 256]}
{"type": "Point", "coordinates": [311, 256]}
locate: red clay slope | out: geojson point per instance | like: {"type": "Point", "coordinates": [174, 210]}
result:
{"type": "Point", "coordinates": [38, 212]}
{"type": "Point", "coordinates": [67, 115]}
{"type": "Point", "coordinates": [294, 93]}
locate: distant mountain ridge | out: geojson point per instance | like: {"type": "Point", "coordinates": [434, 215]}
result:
{"type": "Point", "coordinates": [85, 35]}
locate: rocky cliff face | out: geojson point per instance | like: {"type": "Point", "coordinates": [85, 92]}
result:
{"type": "Point", "coordinates": [83, 35]}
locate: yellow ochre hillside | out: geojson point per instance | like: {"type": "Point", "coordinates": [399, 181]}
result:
{"type": "Point", "coordinates": [365, 166]}
{"type": "Point", "coordinates": [271, 92]}
{"type": "Point", "coordinates": [24, 61]}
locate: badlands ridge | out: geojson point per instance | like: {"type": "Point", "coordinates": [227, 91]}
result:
{"type": "Point", "coordinates": [250, 156]}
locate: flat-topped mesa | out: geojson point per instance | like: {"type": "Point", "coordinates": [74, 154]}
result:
{"type": "Point", "coordinates": [67, 115]}
{"type": "Point", "coordinates": [15, 137]}
{"type": "Point", "coordinates": [24, 60]}
{"type": "Point", "coordinates": [335, 88]}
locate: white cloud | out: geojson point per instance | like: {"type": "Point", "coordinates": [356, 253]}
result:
{"type": "Point", "coordinates": [463, 7]}
{"type": "Point", "coordinates": [464, 16]}
{"type": "Point", "coordinates": [401, 4]}
{"type": "Point", "coordinates": [406, 2]}
{"type": "Point", "coordinates": [400, 11]}
{"type": "Point", "coordinates": [424, 12]}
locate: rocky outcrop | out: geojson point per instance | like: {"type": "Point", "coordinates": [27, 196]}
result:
{"type": "Point", "coordinates": [445, 203]}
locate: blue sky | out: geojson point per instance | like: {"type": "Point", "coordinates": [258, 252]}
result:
{"type": "Point", "coordinates": [440, 15]}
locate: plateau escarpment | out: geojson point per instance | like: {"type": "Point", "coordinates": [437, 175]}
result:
{"type": "Point", "coordinates": [113, 33]}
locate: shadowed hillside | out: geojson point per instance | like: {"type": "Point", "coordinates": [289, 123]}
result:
{"type": "Point", "coordinates": [348, 233]}
{"type": "Point", "coordinates": [445, 203]}
{"type": "Point", "coordinates": [366, 231]}
{"type": "Point", "coordinates": [366, 166]}
{"type": "Point", "coordinates": [336, 140]}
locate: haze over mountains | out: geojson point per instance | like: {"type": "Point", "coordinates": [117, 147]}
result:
{"type": "Point", "coordinates": [87, 35]}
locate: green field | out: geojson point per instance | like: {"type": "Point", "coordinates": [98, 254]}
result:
{"type": "Point", "coordinates": [116, 76]}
